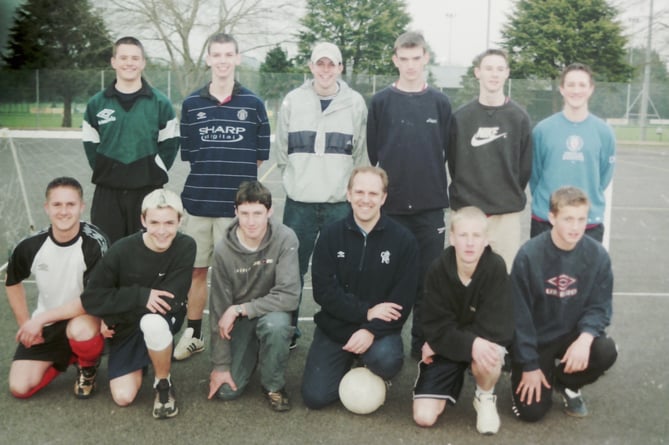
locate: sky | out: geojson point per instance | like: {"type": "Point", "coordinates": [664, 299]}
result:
{"type": "Point", "coordinates": [457, 30]}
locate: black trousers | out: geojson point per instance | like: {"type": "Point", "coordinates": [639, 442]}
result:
{"type": "Point", "coordinates": [603, 354]}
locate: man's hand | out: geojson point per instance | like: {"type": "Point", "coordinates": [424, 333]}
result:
{"type": "Point", "coordinates": [530, 385]}
{"type": "Point", "coordinates": [105, 330]}
{"type": "Point", "coordinates": [488, 355]}
{"type": "Point", "coordinates": [577, 357]}
{"type": "Point", "coordinates": [156, 302]}
{"type": "Point", "coordinates": [359, 342]}
{"type": "Point", "coordinates": [227, 322]}
{"type": "Point", "coordinates": [427, 354]}
{"type": "Point", "coordinates": [385, 312]}
{"type": "Point", "coordinates": [30, 333]}
{"type": "Point", "coordinates": [218, 379]}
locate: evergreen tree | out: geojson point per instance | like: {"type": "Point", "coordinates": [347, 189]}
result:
{"type": "Point", "coordinates": [277, 76]}
{"type": "Point", "coordinates": [64, 38]}
{"type": "Point", "coordinates": [364, 31]}
{"type": "Point", "coordinates": [544, 36]}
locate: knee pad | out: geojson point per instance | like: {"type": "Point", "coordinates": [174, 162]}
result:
{"type": "Point", "coordinates": [156, 330]}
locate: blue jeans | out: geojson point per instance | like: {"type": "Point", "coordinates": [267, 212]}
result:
{"type": "Point", "coordinates": [307, 220]}
{"type": "Point", "coordinates": [263, 341]}
{"type": "Point", "coordinates": [327, 363]}
{"type": "Point", "coordinates": [429, 229]}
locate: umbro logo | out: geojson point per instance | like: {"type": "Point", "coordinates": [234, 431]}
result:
{"type": "Point", "coordinates": [201, 115]}
{"type": "Point", "coordinates": [563, 286]}
{"type": "Point", "coordinates": [485, 136]}
{"type": "Point", "coordinates": [341, 254]}
{"type": "Point", "coordinates": [105, 116]}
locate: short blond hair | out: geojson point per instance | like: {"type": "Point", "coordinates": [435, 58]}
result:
{"type": "Point", "coordinates": [161, 198]}
{"type": "Point", "coordinates": [468, 213]}
{"type": "Point", "coordinates": [381, 173]}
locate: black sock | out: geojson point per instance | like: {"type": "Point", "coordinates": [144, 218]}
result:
{"type": "Point", "coordinates": [197, 327]}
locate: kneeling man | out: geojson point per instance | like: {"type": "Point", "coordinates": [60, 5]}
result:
{"type": "Point", "coordinates": [562, 285]}
{"type": "Point", "coordinates": [255, 285]}
{"type": "Point", "coordinates": [139, 289]}
{"type": "Point", "coordinates": [364, 274]}
{"type": "Point", "coordinates": [468, 322]}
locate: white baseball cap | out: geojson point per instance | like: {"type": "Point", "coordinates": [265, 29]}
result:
{"type": "Point", "coordinates": [327, 50]}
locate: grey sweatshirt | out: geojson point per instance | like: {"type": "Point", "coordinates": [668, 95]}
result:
{"type": "Point", "coordinates": [265, 280]}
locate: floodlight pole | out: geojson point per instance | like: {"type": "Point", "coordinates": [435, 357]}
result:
{"type": "Point", "coordinates": [645, 90]}
{"type": "Point", "coordinates": [487, 35]}
{"type": "Point", "coordinates": [450, 16]}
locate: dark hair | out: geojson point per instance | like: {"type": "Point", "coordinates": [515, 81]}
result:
{"type": "Point", "coordinates": [221, 37]}
{"type": "Point", "coordinates": [491, 52]}
{"type": "Point", "coordinates": [576, 67]}
{"type": "Point", "coordinates": [252, 192]}
{"type": "Point", "coordinates": [128, 40]}
{"type": "Point", "coordinates": [64, 181]}
{"type": "Point", "coordinates": [410, 39]}
{"type": "Point", "coordinates": [567, 196]}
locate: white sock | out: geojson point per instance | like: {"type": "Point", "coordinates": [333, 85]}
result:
{"type": "Point", "coordinates": [156, 380]}
{"type": "Point", "coordinates": [571, 393]}
{"type": "Point", "coordinates": [479, 392]}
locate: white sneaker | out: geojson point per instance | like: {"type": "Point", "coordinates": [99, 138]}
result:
{"type": "Point", "coordinates": [188, 345]}
{"type": "Point", "coordinates": [487, 419]}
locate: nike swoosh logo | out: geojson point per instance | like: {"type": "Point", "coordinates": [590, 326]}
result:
{"type": "Point", "coordinates": [161, 274]}
{"type": "Point", "coordinates": [478, 141]}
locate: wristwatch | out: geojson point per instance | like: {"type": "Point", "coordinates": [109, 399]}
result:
{"type": "Point", "coordinates": [239, 310]}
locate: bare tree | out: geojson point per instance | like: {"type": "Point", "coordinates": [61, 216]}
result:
{"type": "Point", "coordinates": [180, 29]}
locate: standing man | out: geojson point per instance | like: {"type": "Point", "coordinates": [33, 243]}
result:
{"type": "Point", "coordinates": [490, 155]}
{"type": "Point", "coordinates": [139, 290]}
{"type": "Point", "coordinates": [224, 137]}
{"type": "Point", "coordinates": [58, 332]}
{"type": "Point", "coordinates": [572, 147]}
{"type": "Point", "coordinates": [131, 138]}
{"type": "Point", "coordinates": [468, 323]}
{"type": "Point", "coordinates": [562, 287]}
{"type": "Point", "coordinates": [364, 274]}
{"type": "Point", "coordinates": [320, 139]}
{"type": "Point", "coordinates": [407, 135]}
{"type": "Point", "coordinates": [255, 285]}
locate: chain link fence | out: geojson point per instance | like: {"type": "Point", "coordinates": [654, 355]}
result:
{"type": "Point", "coordinates": [36, 99]}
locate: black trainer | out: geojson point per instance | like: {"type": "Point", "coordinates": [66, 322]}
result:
{"type": "Point", "coordinates": [85, 383]}
{"type": "Point", "coordinates": [278, 400]}
{"type": "Point", "coordinates": [165, 404]}
{"type": "Point", "coordinates": [574, 405]}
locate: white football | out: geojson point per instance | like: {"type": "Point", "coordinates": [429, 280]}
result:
{"type": "Point", "coordinates": [361, 391]}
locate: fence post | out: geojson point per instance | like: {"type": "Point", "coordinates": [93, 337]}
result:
{"type": "Point", "coordinates": [169, 85]}
{"type": "Point", "coordinates": [37, 120]}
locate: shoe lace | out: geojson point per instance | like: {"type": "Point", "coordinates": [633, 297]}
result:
{"type": "Point", "coordinates": [86, 376]}
{"type": "Point", "coordinates": [276, 397]}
